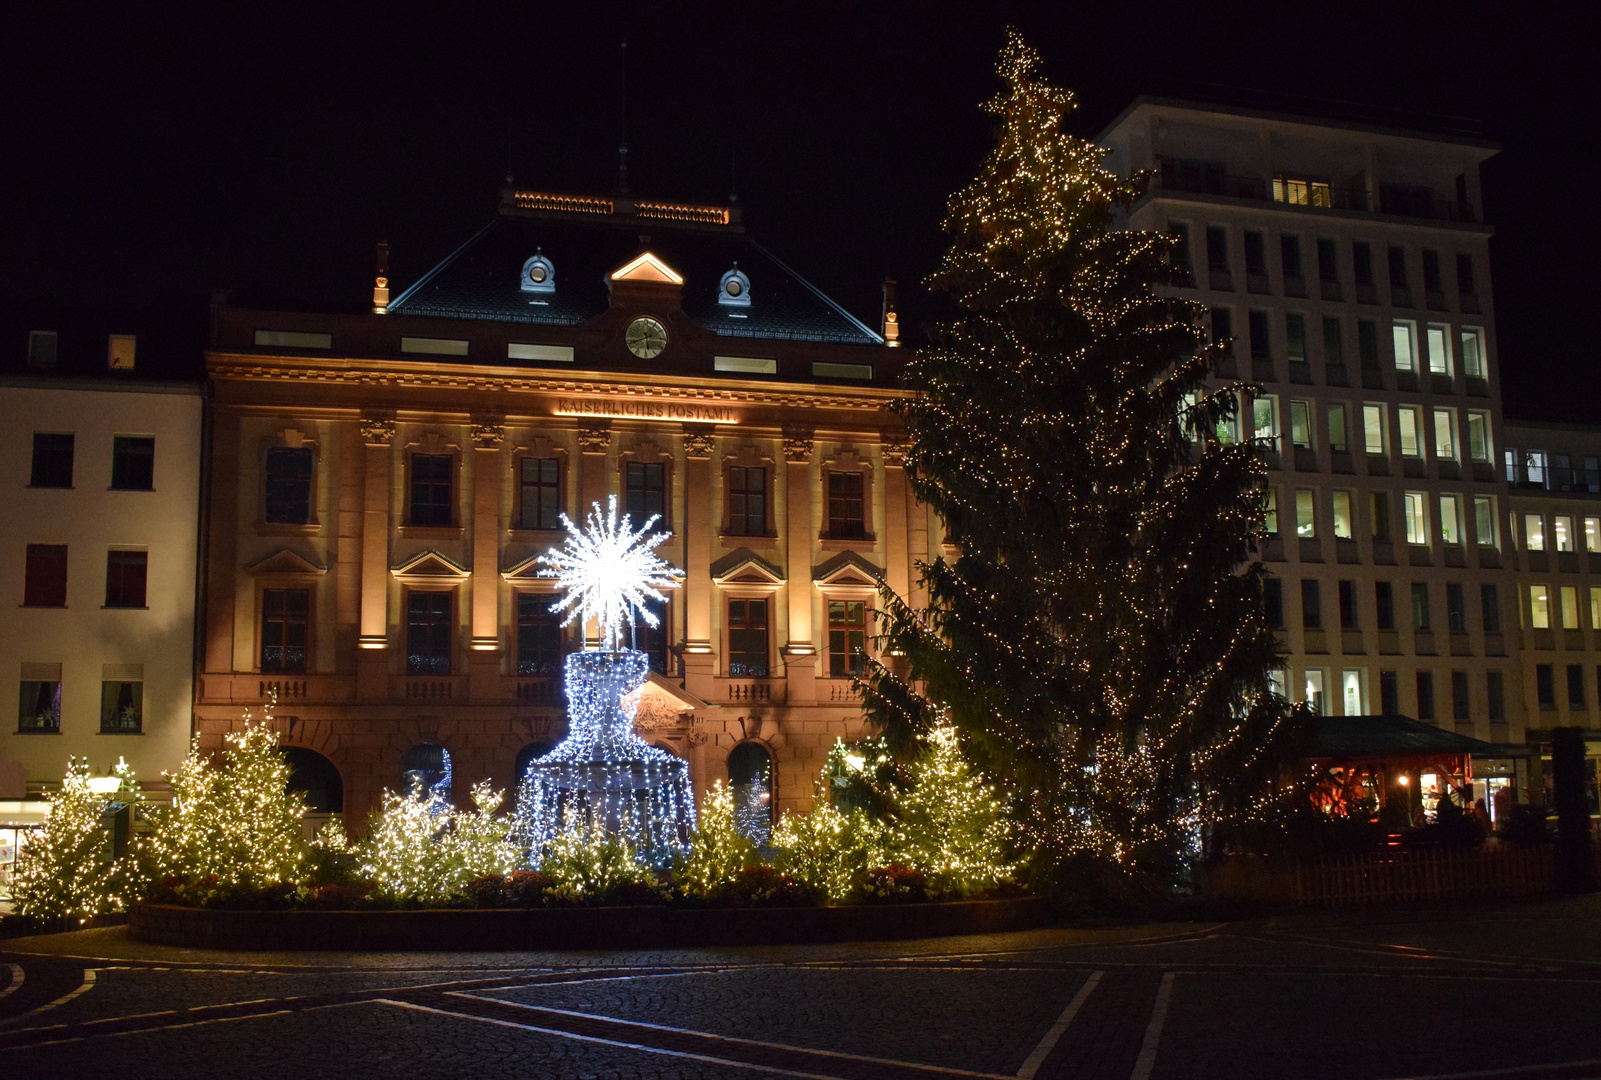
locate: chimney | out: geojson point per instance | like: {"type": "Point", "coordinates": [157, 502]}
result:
{"type": "Point", "coordinates": [380, 283]}
{"type": "Point", "coordinates": [892, 326]}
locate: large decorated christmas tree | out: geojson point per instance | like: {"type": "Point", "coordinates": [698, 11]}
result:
{"type": "Point", "coordinates": [1098, 638]}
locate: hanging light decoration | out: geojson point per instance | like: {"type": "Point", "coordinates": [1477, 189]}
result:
{"type": "Point", "coordinates": [602, 775]}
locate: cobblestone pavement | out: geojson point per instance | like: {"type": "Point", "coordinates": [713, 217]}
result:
{"type": "Point", "coordinates": [1509, 993]}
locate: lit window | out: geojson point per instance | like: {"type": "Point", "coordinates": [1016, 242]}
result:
{"type": "Point", "coordinates": [1540, 607]}
{"type": "Point", "coordinates": [1337, 440]}
{"type": "Point", "coordinates": [1265, 418]}
{"type": "Point", "coordinates": [1479, 436]}
{"type": "Point", "coordinates": [1534, 466]}
{"type": "Point", "coordinates": [1533, 532]}
{"type": "Point", "coordinates": [1301, 424]}
{"type": "Point", "coordinates": [121, 708]}
{"type": "Point", "coordinates": [1570, 607]}
{"type": "Point", "coordinates": [1354, 698]}
{"type": "Point", "coordinates": [1445, 434]}
{"type": "Point", "coordinates": [1373, 428]}
{"type": "Point", "coordinates": [1406, 345]}
{"type": "Point", "coordinates": [1592, 534]}
{"type": "Point", "coordinates": [1595, 607]}
{"type": "Point", "coordinates": [1417, 517]}
{"type": "Point", "coordinates": [1450, 520]}
{"type": "Point", "coordinates": [1411, 418]}
{"type": "Point", "coordinates": [1439, 343]}
{"type": "Point", "coordinates": [1315, 696]}
{"type": "Point", "coordinates": [1342, 515]}
{"type": "Point", "coordinates": [1473, 352]}
{"type": "Point", "coordinates": [1562, 533]}
{"type": "Point", "coordinates": [1484, 520]}
{"type": "Point", "coordinates": [1299, 191]}
{"type": "Point", "coordinates": [1305, 525]}
{"type": "Point", "coordinates": [1270, 512]}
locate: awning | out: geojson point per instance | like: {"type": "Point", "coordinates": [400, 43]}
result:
{"type": "Point", "coordinates": [1388, 736]}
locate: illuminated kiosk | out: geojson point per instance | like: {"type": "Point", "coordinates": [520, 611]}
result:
{"type": "Point", "coordinates": [602, 775]}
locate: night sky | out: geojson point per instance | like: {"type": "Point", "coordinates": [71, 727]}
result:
{"type": "Point", "coordinates": [148, 159]}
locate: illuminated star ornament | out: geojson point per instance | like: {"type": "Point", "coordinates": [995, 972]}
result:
{"type": "Point", "coordinates": [607, 571]}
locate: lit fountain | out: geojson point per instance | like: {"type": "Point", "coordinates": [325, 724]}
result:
{"type": "Point", "coordinates": [602, 773]}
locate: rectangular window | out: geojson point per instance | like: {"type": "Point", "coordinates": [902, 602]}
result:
{"type": "Point", "coordinates": [1384, 605]}
{"type": "Point", "coordinates": [1495, 692]}
{"type": "Point", "coordinates": [1362, 262]}
{"type": "Point", "coordinates": [1410, 419]}
{"type": "Point", "coordinates": [1490, 608]}
{"type": "Point", "coordinates": [1180, 232]}
{"type": "Point", "coordinates": [747, 501]}
{"type": "Point", "coordinates": [1425, 695]}
{"type": "Point", "coordinates": [1295, 338]}
{"type": "Point", "coordinates": [1337, 436]}
{"type": "Point", "coordinates": [1562, 532]}
{"type": "Point", "coordinates": [1333, 346]}
{"type": "Point", "coordinates": [1456, 609]}
{"type": "Point", "coordinates": [1301, 424]}
{"type": "Point", "coordinates": [747, 638]}
{"type": "Point", "coordinates": [1328, 268]}
{"type": "Point", "coordinates": [133, 463]}
{"type": "Point", "coordinates": [1445, 434]}
{"type": "Point", "coordinates": [1575, 686]}
{"type": "Point", "coordinates": [1404, 333]}
{"type": "Point", "coordinates": [1270, 511]}
{"type": "Point", "coordinates": [1534, 466]}
{"type": "Point", "coordinates": [1545, 688]}
{"type": "Point", "coordinates": [1533, 532]}
{"type": "Point", "coordinates": [1397, 267]}
{"type": "Point", "coordinates": [1301, 192]}
{"type": "Point", "coordinates": [1273, 602]}
{"type": "Point", "coordinates": [1367, 344]}
{"type": "Point", "coordinates": [1217, 247]}
{"type": "Point", "coordinates": [428, 633]}
{"type": "Point", "coordinates": [45, 582]}
{"type": "Point", "coordinates": [652, 640]}
{"type": "Point", "coordinates": [1255, 253]}
{"type": "Point", "coordinates": [1290, 255]}
{"type": "Point", "coordinates": [1464, 273]}
{"type": "Point", "coordinates": [539, 635]}
{"type": "Point", "coordinates": [1569, 598]}
{"type": "Point", "coordinates": [1315, 695]}
{"type": "Point", "coordinates": [1479, 436]}
{"type": "Point", "coordinates": [1222, 324]}
{"type": "Point", "coordinates": [1305, 519]}
{"type": "Point", "coordinates": [121, 708]}
{"type": "Point", "coordinates": [1261, 337]}
{"type": "Point", "coordinates": [1343, 529]}
{"type": "Point", "coordinates": [1354, 692]}
{"type": "Point", "coordinates": [1373, 429]}
{"type": "Point", "coordinates": [1420, 606]}
{"type": "Point", "coordinates": [845, 510]}
{"type": "Point", "coordinates": [52, 460]}
{"type": "Point", "coordinates": [1379, 504]}
{"type": "Point", "coordinates": [40, 706]}
{"type": "Point", "coordinates": [539, 493]}
{"type": "Point", "coordinates": [1417, 517]}
{"type": "Point", "coordinates": [1311, 604]}
{"type": "Point", "coordinates": [1347, 591]}
{"type": "Point", "coordinates": [1484, 520]}
{"type": "Point", "coordinates": [430, 489]}
{"type": "Point", "coordinates": [1431, 270]}
{"type": "Point", "coordinates": [1451, 520]}
{"type": "Point", "coordinates": [1265, 419]}
{"type": "Point", "coordinates": [1592, 534]}
{"type": "Point", "coordinates": [1595, 607]}
{"type": "Point", "coordinates": [1460, 703]}
{"type": "Point", "coordinates": [1540, 607]}
{"type": "Point", "coordinates": [285, 619]}
{"type": "Point", "coordinates": [646, 484]}
{"type": "Point", "coordinates": [847, 638]}
{"type": "Point", "coordinates": [1439, 345]}
{"type": "Point", "coordinates": [42, 348]}
{"type": "Point", "coordinates": [1389, 694]}
{"type": "Point", "coordinates": [288, 485]}
{"type": "Point", "coordinates": [1472, 342]}
{"type": "Point", "coordinates": [126, 572]}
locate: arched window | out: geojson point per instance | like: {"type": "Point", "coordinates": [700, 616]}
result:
{"type": "Point", "coordinates": [750, 774]}
{"type": "Point", "coordinates": [425, 768]}
{"type": "Point", "coordinates": [526, 757]}
{"type": "Point", "coordinates": [315, 775]}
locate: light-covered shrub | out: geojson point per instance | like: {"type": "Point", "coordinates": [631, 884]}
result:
{"type": "Point", "coordinates": [828, 850]}
{"type": "Point", "coordinates": [590, 864]}
{"type": "Point", "coordinates": [421, 850]}
{"type": "Point", "coordinates": [719, 848]}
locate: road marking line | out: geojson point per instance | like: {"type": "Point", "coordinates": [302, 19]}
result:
{"type": "Point", "coordinates": [610, 1042]}
{"type": "Point", "coordinates": [146, 1031]}
{"type": "Point", "coordinates": [16, 980]}
{"type": "Point", "coordinates": [1054, 1036]}
{"type": "Point", "coordinates": [729, 1038]}
{"type": "Point", "coordinates": [1153, 1031]}
{"type": "Point", "coordinates": [83, 988]}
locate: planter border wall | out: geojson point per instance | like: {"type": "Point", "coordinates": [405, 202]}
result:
{"type": "Point", "coordinates": [502, 929]}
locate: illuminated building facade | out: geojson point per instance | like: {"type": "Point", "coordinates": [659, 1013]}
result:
{"type": "Point", "coordinates": [382, 484]}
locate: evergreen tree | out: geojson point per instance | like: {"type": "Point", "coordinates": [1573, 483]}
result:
{"type": "Point", "coordinates": [65, 868]}
{"type": "Point", "coordinates": [718, 848]}
{"type": "Point", "coordinates": [948, 824]}
{"type": "Point", "coordinates": [1098, 638]}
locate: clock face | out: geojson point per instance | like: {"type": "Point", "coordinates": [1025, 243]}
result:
{"type": "Point", "coordinates": [646, 337]}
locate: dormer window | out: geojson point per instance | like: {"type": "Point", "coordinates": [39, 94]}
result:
{"type": "Point", "coordinates": [734, 290]}
{"type": "Point", "coordinates": [539, 276]}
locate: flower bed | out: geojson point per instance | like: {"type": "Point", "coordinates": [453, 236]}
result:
{"type": "Point", "coordinates": [477, 929]}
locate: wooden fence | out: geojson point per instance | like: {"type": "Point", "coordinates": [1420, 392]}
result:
{"type": "Point", "coordinates": [1500, 871]}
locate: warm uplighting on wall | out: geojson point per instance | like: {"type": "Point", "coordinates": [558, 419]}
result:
{"type": "Point", "coordinates": [372, 643]}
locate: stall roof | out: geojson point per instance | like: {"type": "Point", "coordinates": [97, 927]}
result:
{"type": "Point", "coordinates": [1388, 736]}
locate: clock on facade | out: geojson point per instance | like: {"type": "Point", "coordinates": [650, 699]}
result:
{"type": "Point", "coordinates": [646, 337]}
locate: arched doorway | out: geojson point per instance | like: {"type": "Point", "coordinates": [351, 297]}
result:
{"type": "Point", "coordinates": [425, 768]}
{"type": "Point", "coordinates": [750, 774]}
{"type": "Point", "coordinates": [526, 757]}
{"type": "Point", "coordinates": [315, 775]}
